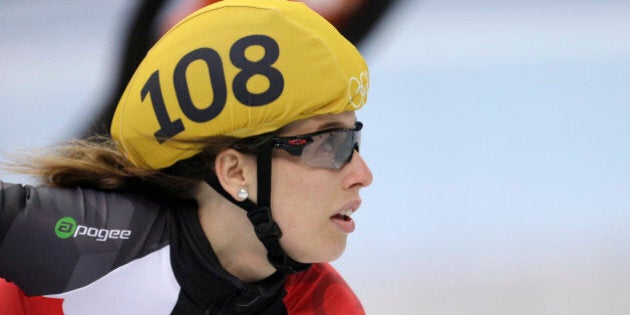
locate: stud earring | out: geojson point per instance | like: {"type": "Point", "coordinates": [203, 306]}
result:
{"type": "Point", "coordinates": [242, 194]}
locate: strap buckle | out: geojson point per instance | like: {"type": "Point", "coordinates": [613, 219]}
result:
{"type": "Point", "coordinates": [264, 225]}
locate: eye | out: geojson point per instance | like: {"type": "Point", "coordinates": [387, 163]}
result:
{"type": "Point", "coordinates": [328, 143]}
{"type": "Point", "coordinates": [327, 146]}
{"type": "Point", "coordinates": [322, 148]}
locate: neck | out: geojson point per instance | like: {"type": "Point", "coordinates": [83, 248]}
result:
{"type": "Point", "coordinates": [232, 237]}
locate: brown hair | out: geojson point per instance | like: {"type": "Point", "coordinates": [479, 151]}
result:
{"type": "Point", "coordinates": [97, 163]}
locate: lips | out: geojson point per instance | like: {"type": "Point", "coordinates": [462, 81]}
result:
{"type": "Point", "coordinates": [343, 219]}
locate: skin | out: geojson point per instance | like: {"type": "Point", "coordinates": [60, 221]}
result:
{"type": "Point", "coordinates": [303, 202]}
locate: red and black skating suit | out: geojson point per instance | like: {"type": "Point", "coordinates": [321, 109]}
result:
{"type": "Point", "coordinates": [81, 251]}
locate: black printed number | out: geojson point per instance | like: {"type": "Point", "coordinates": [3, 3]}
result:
{"type": "Point", "coordinates": [205, 112]}
{"type": "Point", "coordinates": [168, 128]}
{"type": "Point", "coordinates": [251, 68]}
{"type": "Point", "coordinates": [217, 80]}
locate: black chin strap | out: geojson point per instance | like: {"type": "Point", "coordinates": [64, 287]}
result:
{"type": "Point", "coordinates": [266, 229]}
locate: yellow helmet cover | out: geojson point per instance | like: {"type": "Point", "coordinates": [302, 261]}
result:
{"type": "Point", "coordinates": [237, 68]}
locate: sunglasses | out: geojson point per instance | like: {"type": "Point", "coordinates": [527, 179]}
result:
{"type": "Point", "coordinates": [332, 148]}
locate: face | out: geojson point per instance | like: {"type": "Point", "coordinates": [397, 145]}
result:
{"type": "Point", "coordinates": [313, 206]}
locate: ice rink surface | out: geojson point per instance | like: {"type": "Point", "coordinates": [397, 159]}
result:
{"type": "Point", "coordinates": [498, 133]}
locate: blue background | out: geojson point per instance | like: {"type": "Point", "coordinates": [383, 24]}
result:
{"type": "Point", "coordinates": [497, 132]}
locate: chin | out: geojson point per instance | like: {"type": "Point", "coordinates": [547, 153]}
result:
{"type": "Point", "coordinates": [321, 254]}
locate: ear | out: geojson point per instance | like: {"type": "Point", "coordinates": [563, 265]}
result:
{"type": "Point", "coordinates": [236, 170]}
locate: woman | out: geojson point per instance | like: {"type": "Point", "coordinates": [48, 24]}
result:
{"type": "Point", "coordinates": [243, 107]}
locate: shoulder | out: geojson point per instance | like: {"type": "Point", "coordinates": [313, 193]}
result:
{"type": "Point", "coordinates": [320, 288]}
{"type": "Point", "coordinates": [96, 232]}
{"type": "Point", "coordinates": [42, 208]}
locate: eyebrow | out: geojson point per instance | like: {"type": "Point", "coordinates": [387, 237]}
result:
{"type": "Point", "coordinates": [324, 125]}
{"type": "Point", "coordinates": [335, 124]}
{"type": "Point", "coordinates": [330, 125]}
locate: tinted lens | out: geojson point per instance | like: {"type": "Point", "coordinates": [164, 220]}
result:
{"type": "Point", "coordinates": [324, 149]}
{"type": "Point", "coordinates": [331, 149]}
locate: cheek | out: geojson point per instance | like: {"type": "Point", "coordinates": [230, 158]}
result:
{"type": "Point", "coordinates": [302, 200]}
{"type": "Point", "coordinates": [294, 192]}
{"type": "Point", "coordinates": [297, 198]}
{"type": "Point", "coordinates": [290, 181]}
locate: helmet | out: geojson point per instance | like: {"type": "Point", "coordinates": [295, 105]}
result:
{"type": "Point", "coordinates": [238, 68]}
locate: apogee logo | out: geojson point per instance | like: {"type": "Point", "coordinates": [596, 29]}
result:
{"type": "Point", "coordinates": [67, 227]}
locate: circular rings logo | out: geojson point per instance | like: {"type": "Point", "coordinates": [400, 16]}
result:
{"type": "Point", "coordinates": [358, 89]}
{"type": "Point", "coordinates": [65, 227]}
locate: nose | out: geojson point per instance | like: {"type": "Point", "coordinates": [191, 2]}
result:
{"type": "Point", "coordinates": [359, 173]}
